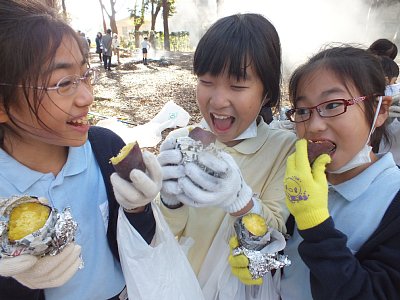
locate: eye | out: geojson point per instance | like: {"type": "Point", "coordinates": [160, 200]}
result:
{"type": "Point", "coordinates": [65, 82]}
{"type": "Point", "coordinates": [333, 105]}
{"type": "Point", "coordinates": [302, 111]}
{"type": "Point", "coordinates": [205, 82]}
{"type": "Point", "coordinates": [238, 87]}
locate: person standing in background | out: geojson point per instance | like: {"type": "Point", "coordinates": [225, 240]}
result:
{"type": "Point", "coordinates": [145, 47]}
{"type": "Point", "coordinates": [107, 50]}
{"type": "Point", "coordinates": [99, 45]}
{"type": "Point", "coordinates": [115, 46]}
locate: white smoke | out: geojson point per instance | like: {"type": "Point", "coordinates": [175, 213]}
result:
{"type": "Point", "coordinates": [304, 26]}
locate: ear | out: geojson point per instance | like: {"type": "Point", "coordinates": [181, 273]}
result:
{"type": "Point", "coordinates": [3, 115]}
{"type": "Point", "coordinates": [384, 111]}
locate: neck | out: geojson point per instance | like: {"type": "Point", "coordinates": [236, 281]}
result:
{"type": "Point", "coordinates": [342, 177]}
{"type": "Point", "coordinates": [40, 157]}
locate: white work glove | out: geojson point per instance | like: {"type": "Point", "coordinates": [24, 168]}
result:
{"type": "Point", "coordinates": [282, 124]}
{"type": "Point", "coordinates": [228, 191]}
{"type": "Point", "coordinates": [394, 111]}
{"type": "Point", "coordinates": [142, 188]}
{"type": "Point", "coordinates": [170, 160]}
{"type": "Point", "coordinates": [43, 272]}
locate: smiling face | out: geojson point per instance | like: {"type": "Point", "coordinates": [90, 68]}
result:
{"type": "Point", "coordinates": [61, 120]}
{"type": "Point", "coordinates": [229, 106]}
{"type": "Point", "coordinates": [348, 131]}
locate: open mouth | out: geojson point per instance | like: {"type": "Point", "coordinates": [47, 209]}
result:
{"type": "Point", "coordinates": [222, 123]}
{"type": "Point", "coordinates": [317, 148]}
{"type": "Point", "coordinates": [79, 122]}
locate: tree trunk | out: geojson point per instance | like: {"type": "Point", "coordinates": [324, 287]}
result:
{"type": "Point", "coordinates": [102, 15]}
{"type": "Point", "coordinates": [154, 14]}
{"type": "Point", "coordinates": [165, 21]}
{"type": "Point", "coordinates": [64, 10]}
{"type": "Point", "coordinates": [113, 23]}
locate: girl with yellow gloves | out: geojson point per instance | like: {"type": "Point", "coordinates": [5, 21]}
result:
{"type": "Point", "coordinates": [346, 204]}
{"type": "Point", "coordinates": [345, 242]}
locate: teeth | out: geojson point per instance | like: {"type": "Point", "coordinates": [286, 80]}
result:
{"type": "Point", "coordinates": [220, 117]}
{"type": "Point", "coordinates": [81, 121]}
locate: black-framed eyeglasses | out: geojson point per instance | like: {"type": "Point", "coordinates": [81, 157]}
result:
{"type": "Point", "coordinates": [67, 85]}
{"type": "Point", "coordinates": [327, 109]}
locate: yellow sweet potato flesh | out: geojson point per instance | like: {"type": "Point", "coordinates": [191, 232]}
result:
{"type": "Point", "coordinates": [26, 218]}
{"type": "Point", "coordinates": [255, 224]}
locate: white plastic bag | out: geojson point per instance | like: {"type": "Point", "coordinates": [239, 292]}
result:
{"type": "Point", "coordinates": [149, 134]}
{"type": "Point", "coordinates": [218, 282]}
{"type": "Point", "coordinates": [159, 271]}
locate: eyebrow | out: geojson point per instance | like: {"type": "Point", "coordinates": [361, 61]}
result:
{"type": "Point", "coordinates": [323, 94]}
{"type": "Point", "coordinates": [65, 65]}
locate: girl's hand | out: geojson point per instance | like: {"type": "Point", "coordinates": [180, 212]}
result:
{"type": "Point", "coordinates": [170, 160]}
{"type": "Point", "coordinates": [306, 187]}
{"type": "Point", "coordinates": [215, 180]}
{"type": "Point", "coordinates": [142, 188]}
{"type": "Point", "coordinates": [43, 272]}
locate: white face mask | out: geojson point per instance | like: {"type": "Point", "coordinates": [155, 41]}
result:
{"type": "Point", "coordinates": [362, 157]}
{"type": "Point", "coordinates": [392, 89]}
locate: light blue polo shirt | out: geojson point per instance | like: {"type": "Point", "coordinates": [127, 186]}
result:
{"type": "Point", "coordinates": [357, 207]}
{"type": "Point", "coordinates": [79, 186]}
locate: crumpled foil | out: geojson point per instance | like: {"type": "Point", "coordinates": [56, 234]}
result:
{"type": "Point", "coordinates": [262, 251]}
{"type": "Point", "coordinates": [190, 151]}
{"type": "Point", "coordinates": [58, 231]}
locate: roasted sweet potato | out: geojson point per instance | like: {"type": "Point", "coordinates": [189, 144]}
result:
{"type": "Point", "coordinates": [129, 158]}
{"type": "Point", "coordinates": [316, 148]}
{"type": "Point", "coordinates": [206, 137]}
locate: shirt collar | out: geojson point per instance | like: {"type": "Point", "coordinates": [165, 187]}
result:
{"type": "Point", "coordinates": [10, 168]}
{"type": "Point", "coordinates": [363, 180]}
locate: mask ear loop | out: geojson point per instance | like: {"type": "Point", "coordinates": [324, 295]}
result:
{"type": "Point", "coordinates": [378, 108]}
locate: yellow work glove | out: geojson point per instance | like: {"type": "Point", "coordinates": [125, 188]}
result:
{"type": "Point", "coordinates": [239, 265]}
{"type": "Point", "coordinates": [306, 187]}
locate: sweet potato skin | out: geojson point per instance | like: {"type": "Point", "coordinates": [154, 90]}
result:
{"type": "Point", "coordinates": [133, 159]}
{"type": "Point", "coordinates": [315, 149]}
{"type": "Point", "coordinates": [204, 136]}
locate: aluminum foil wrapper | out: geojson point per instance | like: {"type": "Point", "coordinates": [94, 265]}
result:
{"type": "Point", "coordinates": [190, 151]}
{"type": "Point", "coordinates": [262, 251]}
{"type": "Point", "coordinates": [58, 231]}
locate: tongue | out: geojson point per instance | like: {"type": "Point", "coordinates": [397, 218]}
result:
{"type": "Point", "coordinates": [222, 124]}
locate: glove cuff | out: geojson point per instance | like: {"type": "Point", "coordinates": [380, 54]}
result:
{"type": "Point", "coordinates": [170, 203]}
{"type": "Point", "coordinates": [308, 220]}
{"type": "Point", "coordinates": [243, 198]}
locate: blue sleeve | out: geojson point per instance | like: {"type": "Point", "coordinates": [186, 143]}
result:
{"type": "Point", "coordinates": [335, 273]}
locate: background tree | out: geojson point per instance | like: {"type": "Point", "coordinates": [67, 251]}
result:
{"type": "Point", "coordinates": [64, 10]}
{"type": "Point", "coordinates": [111, 16]}
{"type": "Point", "coordinates": [137, 14]}
{"type": "Point", "coordinates": [168, 10]}
{"type": "Point", "coordinates": [155, 9]}
{"type": "Point", "coordinates": [102, 15]}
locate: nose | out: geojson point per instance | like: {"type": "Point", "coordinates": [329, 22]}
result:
{"type": "Point", "coordinates": [316, 123]}
{"type": "Point", "coordinates": [84, 95]}
{"type": "Point", "coordinates": [219, 98]}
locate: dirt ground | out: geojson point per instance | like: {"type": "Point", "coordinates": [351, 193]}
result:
{"type": "Point", "coordinates": [135, 93]}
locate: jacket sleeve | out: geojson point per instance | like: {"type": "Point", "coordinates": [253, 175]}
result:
{"type": "Point", "coordinates": [106, 144]}
{"type": "Point", "coordinates": [11, 289]}
{"type": "Point", "coordinates": [335, 273]}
